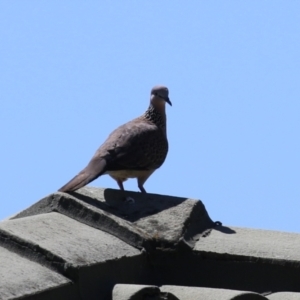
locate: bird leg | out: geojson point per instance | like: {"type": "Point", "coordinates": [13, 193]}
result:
{"type": "Point", "coordinates": [127, 199]}
{"type": "Point", "coordinates": [142, 189]}
{"type": "Point", "coordinates": [142, 179]}
{"type": "Point", "coordinates": [120, 184]}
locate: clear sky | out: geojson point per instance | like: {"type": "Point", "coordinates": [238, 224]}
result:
{"type": "Point", "coordinates": [72, 71]}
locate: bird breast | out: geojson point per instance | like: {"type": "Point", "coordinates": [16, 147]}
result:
{"type": "Point", "coordinates": [125, 174]}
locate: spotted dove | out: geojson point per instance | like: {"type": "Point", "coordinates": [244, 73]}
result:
{"type": "Point", "coordinates": [133, 150]}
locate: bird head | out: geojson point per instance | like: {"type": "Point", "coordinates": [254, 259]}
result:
{"type": "Point", "coordinates": [160, 95]}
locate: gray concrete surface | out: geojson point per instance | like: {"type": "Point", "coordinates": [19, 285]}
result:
{"type": "Point", "coordinates": [88, 242]}
{"type": "Point", "coordinates": [252, 244]}
{"type": "Point", "coordinates": [152, 221]}
{"type": "Point", "coordinates": [169, 225]}
{"type": "Point", "coordinates": [94, 260]}
{"type": "Point", "coordinates": [20, 277]}
{"type": "Point", "coordinates": [200, 293]}
{"type": "Point", "coordinates": [135, 292]}
{"type": "Point", "coordinates": [90, 207]}
{"type": "Point", "coordinates": [284, 296]}
{"type": "Point", "coordinates": [75, 243]}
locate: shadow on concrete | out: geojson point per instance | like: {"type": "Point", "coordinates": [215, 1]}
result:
{"type": "Point", "coordinates": [224, 229]}
{"type": "Point", "coordinates": [144, 204]}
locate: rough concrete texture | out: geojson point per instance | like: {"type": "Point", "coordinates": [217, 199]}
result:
{"type": "Point", "coordinates": [197, 293]}
{"type": "Point", "coordinates": [257, 260]}
{"type": "Point", "coordinates": [95, 240]}
{"type": "Point", "coordinates": [20, 277]}
{"type": "Point", "coordinates": [152, 221]}
{"type": "Point", "coordinates": [135, 292]}
{"type": "Point", "coordinates": [73, 242]}
{"type": "Point", "coordinates": [84, 254]}
{"type": "Point", "coordinates": [253, 244]}
{"type": "Point", "coordinates": [284, 296]}
{"type": "Point", "coordinates": [140, 292]}
{"type": "Point", "coordinates": [224, 270]}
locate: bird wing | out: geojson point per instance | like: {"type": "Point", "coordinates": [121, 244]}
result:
{"type": "Point", "coordinates": [137, 145]}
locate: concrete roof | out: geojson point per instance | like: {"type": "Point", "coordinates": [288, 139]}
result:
{"type": "Point", "coordinates": [91, 244]}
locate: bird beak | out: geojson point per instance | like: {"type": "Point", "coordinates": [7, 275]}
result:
{"type": "Point", "coordinates": [168, 100]}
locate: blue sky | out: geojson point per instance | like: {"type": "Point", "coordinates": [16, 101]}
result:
{"type": "Point", "coordinates": [72, 71]}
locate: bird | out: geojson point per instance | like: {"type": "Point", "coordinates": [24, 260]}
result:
{"type": "Point", "coordinates": [133, 150]}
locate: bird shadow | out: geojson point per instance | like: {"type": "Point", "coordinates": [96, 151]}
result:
{"type": "Point", "coordinates": [113, 202]}
{"type": "Point", "coordinates": [225, 230]}
{"type": "Point", "coordinates": [219, 227]}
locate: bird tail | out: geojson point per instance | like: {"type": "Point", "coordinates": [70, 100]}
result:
{"type": "Point", "coordinates": [93, 170]}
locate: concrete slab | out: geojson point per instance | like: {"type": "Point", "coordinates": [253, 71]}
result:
{"type": "Point", "coordinates": [135, 292]}
{"type": "Point", "coordinates": [284, 296]}
{"type": "Point", "coordinates": [97, 240]}
{"type": "Point", "coordinates": [73, 242]}
{"type": "Point", "coordinates": [20, 277]}
{"type": "Point", "coordinates": [199, 293]}
{"type": "Point", "coordinates": [152, 221]}
{"type": "Point", "coordinates": [181, 219]}
{"type": "Point", "coordinates": [250, 244]}
{"type": "Point", "coordinates": [94, 260]}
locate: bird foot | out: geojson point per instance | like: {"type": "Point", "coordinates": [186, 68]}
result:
{"type": "Point", "coordinates": [129, 200]}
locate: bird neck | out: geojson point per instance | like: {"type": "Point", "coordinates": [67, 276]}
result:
{"type": "Point", "coordinates": [156, 116]}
